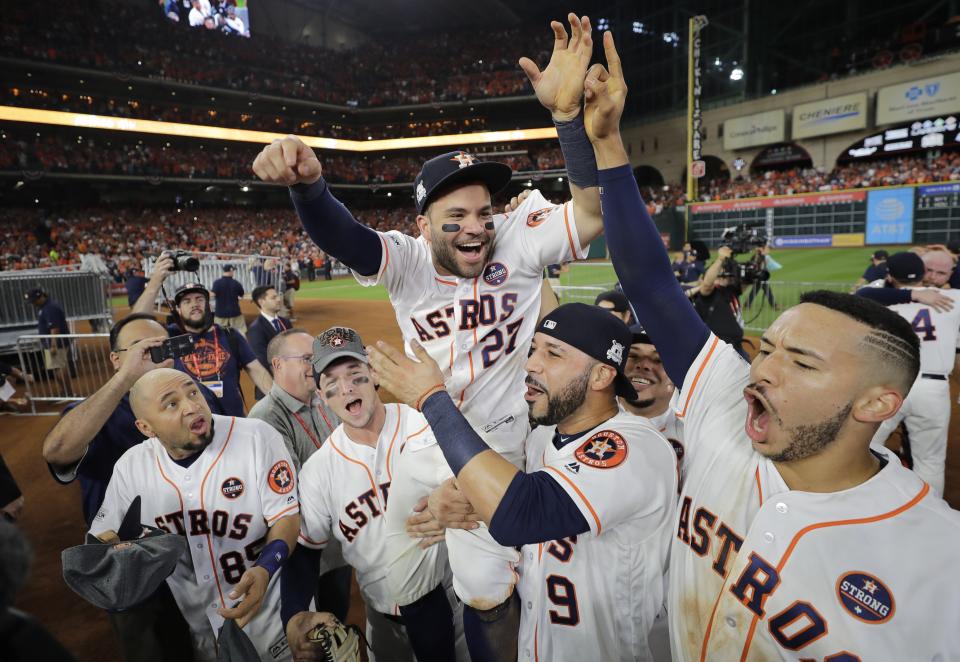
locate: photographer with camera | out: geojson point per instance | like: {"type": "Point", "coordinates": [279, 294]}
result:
{"type": "Point", "coordinates": [85, 444]}
{"type": "Point", "coordinates": [717, 299]}
{"type": "Point", "coordinates": [218, 354]}
{"type": "Point", "coordinates": [760, 265]}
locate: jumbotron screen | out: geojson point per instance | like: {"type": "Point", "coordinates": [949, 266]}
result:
{"type": "Point", "coordinates": [227, 16]}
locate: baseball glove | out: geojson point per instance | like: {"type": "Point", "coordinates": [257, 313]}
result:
{"type": "Point", "coordinates": [338, 642]}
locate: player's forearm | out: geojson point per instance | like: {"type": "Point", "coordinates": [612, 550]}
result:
{"type": "Point", "coordinates": [610, 152]}
{"type": "Point", "coordinates": [535, 509]}
{"type": "Point", "coordinates": [643, 267]}
{"type": "Point", "coordinates": [260, 376]}
{"type": "Point", "coordinates": [581, 163]}
{"type": "Point", "coordinates": [710, 277]}
{"type": "Point", "coordinates": [66, 443]}
{"type": "Point", "coordinates": [886, 296]}
{"type": "Point", "coordinates": [335, 230]}
{"type": "Point", "coordinates": [285, 529]}
{"type": "Point", "coordinates": [482, 474]}
{"type": "Point", "coordinates": [298, 582]}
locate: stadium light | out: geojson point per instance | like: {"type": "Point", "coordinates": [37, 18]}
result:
{"type": "Point", "coordinates": [603, 24]}
{"type": "Point", "coordinates": [638, 27]}
{"type": "Point", "coordinates": [736, 74]}
{"type": "Point", "coordinates": [106, 122]}
{"type": "Point", "coordinates": [671, 38]}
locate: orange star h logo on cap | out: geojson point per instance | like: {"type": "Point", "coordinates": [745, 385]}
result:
{"type": "Point", "coordinates": [464, 159]}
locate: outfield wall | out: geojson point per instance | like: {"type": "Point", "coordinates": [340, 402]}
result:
{"type": "Point", "coordinates": [916, 214]}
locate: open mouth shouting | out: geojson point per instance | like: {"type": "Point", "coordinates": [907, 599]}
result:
{"type": "Point", "coordinates": [472, 250]}
{"type": "Point", "coordinates": [355, 406]}
{"type": "Point", "coordinates": [199, 426]}
{"type": "Point", "coordinates": [759, 415]}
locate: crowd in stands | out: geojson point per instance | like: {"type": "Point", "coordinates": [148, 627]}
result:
{"type": "Point", "coordinates": [39, 97]}
{"type": "Point", "coordinates": [124, 155]}
{"type": "Point", "coordinates": [126, 234]}
{"type": "Point", "coordinates": [458, 65]}
{"type": "Point", "coordinates": [944, 166]}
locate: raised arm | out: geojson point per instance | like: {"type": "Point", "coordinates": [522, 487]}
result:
{"type": "Point", "coordinates": [710, 278]}
{"type": "Point", "coordinates": [507, 499]}
{"type": "Point", "coordinates": [636, 250]}
{"type": "Point", "coordinates": [559, 88]}
{"type": "Point", "coordinates": [289, 161]}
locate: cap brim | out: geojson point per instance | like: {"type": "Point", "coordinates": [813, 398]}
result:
{"type": "Point", "coordinates": [182, 293]}
{"type": "Point", "coordinates": [495, 175]}
{"type": "Point", "coordinates": [320, 365]}
{"type": "Point", "coordinates": [624, 388]}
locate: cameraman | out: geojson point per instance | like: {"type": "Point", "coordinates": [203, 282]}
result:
{"type": "Point", "coordinates": [219, 354]}
{"type": "Point", "coordinates": [717, 299]}
{"type": "Point", "coordinates": [761, 264]}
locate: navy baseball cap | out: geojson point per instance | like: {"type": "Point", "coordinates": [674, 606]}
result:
{"type": "Point", "coordinates": [33, 294]}
{"type": "Point", "coordinates": [596, 333]}
{"type": "Point", "coordinates": [227, 268]}
{"type": "Point", "coordinates": [906, 266]}
{"type": "Point", "coordinates": [615, 297]}
{"type": "Point", "coordinates": [189, 288]}
{"type": "Point", "coordinates": [640, 336]}
{"type": "Point", "coordinates": [454, 167]}
{"type": "Point", "coordinates": [880, 255]}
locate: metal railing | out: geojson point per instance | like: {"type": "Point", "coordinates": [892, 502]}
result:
{"type": "Point", "coordinates": [84, 295]}
{"type": "Point", "coordinates": [86, 368]}
{"type": "Point", "coordinates": [249, 270]}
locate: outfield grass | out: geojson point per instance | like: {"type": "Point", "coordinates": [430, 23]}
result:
{"type": "Point", "coordinates": [806, 265]}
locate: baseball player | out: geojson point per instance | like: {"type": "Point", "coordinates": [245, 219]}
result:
{"type": "Point", "coordinates": [793, 540]}
{"type": "Point", "coordinates": [229, 486]}
{"type": "Point", "coordinates": [468, 288]}
{"type": "Point", "coordinates": [926, 411]}
{"type": "Point", "coordinates": [656, 394]}
{"type": "Point", "coordinates": [594, 510]}
{"type": "Point", "coordinates": [345, 487]}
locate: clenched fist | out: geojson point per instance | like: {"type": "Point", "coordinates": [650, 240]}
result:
{"type": "Point", "coordinates": [287, 161]}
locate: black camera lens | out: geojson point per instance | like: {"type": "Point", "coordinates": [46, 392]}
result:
{"type": "Point", "coordinates": [187, 263]}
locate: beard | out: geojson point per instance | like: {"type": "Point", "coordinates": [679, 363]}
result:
{"type": "Point", "coordinates": [810, 439]}
{"type": "Point", "coordinates": [202, 441]}
{"type": "Point", "coordinates": [445, 255]}
{"type": "Point", "coordinates": [564, 403]}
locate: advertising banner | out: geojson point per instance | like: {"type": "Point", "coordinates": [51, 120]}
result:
{"type": "Point", "coordinates": [918, 99]}
{"type": "Point", "coordinates": [753, 130]}
{"type": "Point", "coordinates": [781, 201]}
{"type": "Point", "coordinates": [890, 216]}
{"type": "Point", "coordinates": [835, 115]}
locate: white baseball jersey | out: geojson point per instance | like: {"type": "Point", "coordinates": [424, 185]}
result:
{"type": "Point", "coordinates": [595, 596]}
{"type": "Point", "coordinates": [479, 329]}
{"type": "Point", "coordinates": [938, 332]}
{"type": "Point", "coordinates": [345, 488]}
{"type": "Point", "coordinates": [670, 427]}
{"type": "Point", "coordinates": [762, 572]}
{"type": "Point", "coordinates": [224, 503]}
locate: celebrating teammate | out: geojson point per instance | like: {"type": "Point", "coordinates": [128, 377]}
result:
{"type": "Point", "coordinates": [794, 539]}
{"type": "Point", "coordinates": [229, 486]}
{"type": "Point", "coordinates": [926, 411]}
{"type": "Point", "coordinates": [594, 509]}
{"type": "Point", "coordinates": [468, 288]}
{"type": "Point", "coordinates": [345, 487]}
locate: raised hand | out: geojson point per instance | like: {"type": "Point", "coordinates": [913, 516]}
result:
{"type": "Point", "coordinates": [559, 87]}
{"type": "Point", "coordinates": [409, 380]}
{"type": "Point", "coordinates": [287, 161]}
{"type": "Point", "coordinates": [605, 93]}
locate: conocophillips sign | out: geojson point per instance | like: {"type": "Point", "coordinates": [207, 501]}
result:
{"type": "Point", "coordinates": [753, 130]}
{"type": "Point", "coordinates": [834, 115]}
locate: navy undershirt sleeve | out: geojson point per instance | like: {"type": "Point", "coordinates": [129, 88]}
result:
{"type": "Point", "coordinates": [886, 296]}
{"type": "Point", "coordinates": [644, 270]}
{"type": "Point", "coordinates": [298, 582]}
{"type": "Point", "coordinates": [335, 230]}
{"type": "Point", "coordinates": [535, 509]}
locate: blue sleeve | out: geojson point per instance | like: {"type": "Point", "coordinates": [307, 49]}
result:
{"type": "Point", "coordinates": [243, 349]}
{"type": "Point", "coordinates": [238, 288]}
{"type": "Point", "coordinates": [535, 509]}
{"type": "Point", "coordinates": [335, 230]}
{"type": "Point", "coordinates": [643, 268]}
{"type": "Point", "coordinates": [886, 296]}
{"type": "Point", "coordinates": [257, 339]}
{"type": "Point", "coordinates": [298, 582]}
